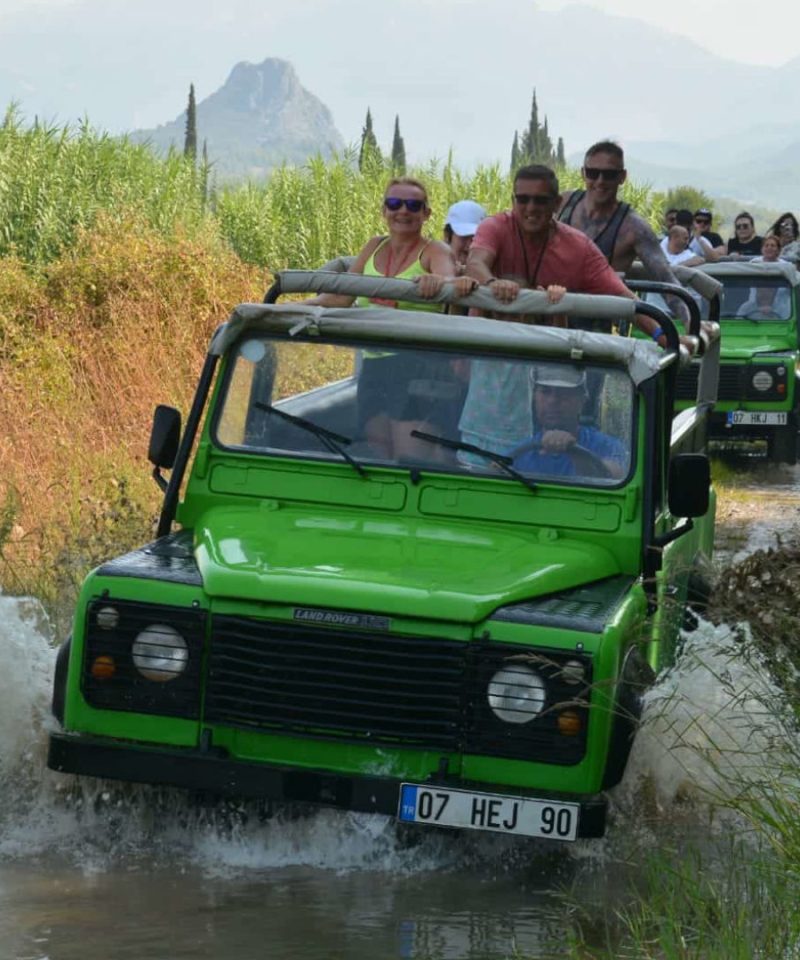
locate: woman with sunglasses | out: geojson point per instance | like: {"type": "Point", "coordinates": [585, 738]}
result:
{"type": "Point", "coordinates": [787, 230]}
{"type": "Point", "coordinates": [406, 254]}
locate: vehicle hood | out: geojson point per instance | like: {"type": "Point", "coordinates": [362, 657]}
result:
{"type": "Point", "coordinates": [740, 348]}
{"type": "Point", "coordinates": [411, 566]}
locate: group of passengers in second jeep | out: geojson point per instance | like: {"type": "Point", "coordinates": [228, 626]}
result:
{"type": "Point", "coordinates": [580, 241]}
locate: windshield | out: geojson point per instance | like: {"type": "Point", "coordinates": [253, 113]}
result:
{"type": "Point", "coordinates": [762, 298]}
{"type": "Point", "coordinates": [745, 298]}
{"type": "Point", "coordinates": [521, 420]}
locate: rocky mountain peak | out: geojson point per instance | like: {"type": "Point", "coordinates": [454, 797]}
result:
{"type": "Point", "coordinates": [261, 117]}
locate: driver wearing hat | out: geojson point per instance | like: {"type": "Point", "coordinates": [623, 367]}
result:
{"type": "Point", "coordinates": [561, 445]}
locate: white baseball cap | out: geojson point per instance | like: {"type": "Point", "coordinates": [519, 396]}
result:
{"type": "Point", "coordinates": [558, 375]}
{"type": "Point", "coordinates": [463, 217]}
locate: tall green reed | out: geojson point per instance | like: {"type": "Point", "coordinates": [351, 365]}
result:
{"type": "Point", "coordinates": [54, 181]}
{"type": "Point", "coordinates": [303, 216]}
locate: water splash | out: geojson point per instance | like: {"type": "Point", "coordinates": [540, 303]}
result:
{"type": "Point", "coordinates": [714, 726]}
{"type": "Point", "coordinates": [707, 724]}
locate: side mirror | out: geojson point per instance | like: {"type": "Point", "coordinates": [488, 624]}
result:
{"type": "Point", "coordinates": [689, 485]}
{"type": "Point", "coordinates": [165, 437]}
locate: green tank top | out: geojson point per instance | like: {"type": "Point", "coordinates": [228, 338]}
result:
{"type": "Point", "coordinates": [414, 269]}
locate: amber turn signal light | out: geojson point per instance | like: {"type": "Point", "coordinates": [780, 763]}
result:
{"type": "Point", "coordinates": [569, 723]}
{"type": "Point", "coordinates": [103, 667]}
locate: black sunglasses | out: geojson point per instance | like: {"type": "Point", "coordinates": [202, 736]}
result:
{"type": "Point", "coordinates": [538, 199]}
{"type": "Point", "coordinates": [397, 203]}
{"type": "Point", "coordinates": [742, 226]}
{"type": "Point", "coordinates": [595, 173]}
{"type": "Point", "coordinates": [701, 220]}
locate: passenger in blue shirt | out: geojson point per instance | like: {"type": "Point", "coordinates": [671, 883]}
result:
{"type": "Point", "coordinates": [561, 445]}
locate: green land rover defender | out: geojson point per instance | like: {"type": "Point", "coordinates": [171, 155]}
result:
{"type": "Point", "coordinates": [758, 398]}
{"type": "Point", "coordinates": [377, 585]}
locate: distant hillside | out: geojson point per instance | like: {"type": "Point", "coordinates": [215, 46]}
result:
{"type": "Point", "coordinates": [758, 164]}
{"type": "Point", "coordinates": [260, 118]}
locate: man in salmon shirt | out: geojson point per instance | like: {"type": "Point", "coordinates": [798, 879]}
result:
{"type": "Point", "coordinates": [528, 242]}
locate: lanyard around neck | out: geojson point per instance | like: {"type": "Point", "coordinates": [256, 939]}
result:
{"type": "Point", "coordinates": [532, 279]}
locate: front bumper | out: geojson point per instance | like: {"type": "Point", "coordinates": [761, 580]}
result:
{"type": "Point", "coordinates": [214, 773]}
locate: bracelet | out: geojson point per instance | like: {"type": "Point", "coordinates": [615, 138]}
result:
{"type": "Point", "coordinates": [489, 282]}
{"type": "Point", "coordinates": [658, 332]}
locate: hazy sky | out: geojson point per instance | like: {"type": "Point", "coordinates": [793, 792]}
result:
{"type": "Point", "coordinates": [458, 72]}
{"type": "Point", "coordinates": [744, 30]}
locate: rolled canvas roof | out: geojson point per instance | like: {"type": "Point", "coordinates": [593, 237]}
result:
{"type": "Point", "coordinates": [752, 269]}
{"type": "Point", "coordinates": [641, 358]}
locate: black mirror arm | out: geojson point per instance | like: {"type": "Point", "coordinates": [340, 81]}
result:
{"type": "Point", "coordinates": [663, 539]}
{"type": "Point", "coordinates": [160, 479]}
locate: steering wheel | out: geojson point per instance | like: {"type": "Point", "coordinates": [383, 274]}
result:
{"type": "Point", "coordinates": [587, 464]}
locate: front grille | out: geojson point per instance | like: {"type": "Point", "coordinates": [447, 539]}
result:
{"type": "Point", "coordinates": [376, 687]}
{"type": "Point", "coordinates": [382, 688]}
{"type": "Point", "coordinates": [730, 387]}
{"type": "Point", "coordinates": [118, 684]}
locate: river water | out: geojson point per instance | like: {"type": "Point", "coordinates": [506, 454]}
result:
{"type": "Point", "coordinates": [93, 871]}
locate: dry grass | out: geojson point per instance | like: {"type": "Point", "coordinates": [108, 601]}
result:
{"type": "Point", "coordinates": [116, 325]}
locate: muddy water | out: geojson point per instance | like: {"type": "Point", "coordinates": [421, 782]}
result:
{"type": "Point", "coordinates": [92, 871]}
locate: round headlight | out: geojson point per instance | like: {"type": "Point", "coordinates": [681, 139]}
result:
{"type": "Point", "coordinates": [762, 381]}
{"type": "Point", "coordinates": [160, 653]}
{"type": "Point", "coordinates": [516, 693]}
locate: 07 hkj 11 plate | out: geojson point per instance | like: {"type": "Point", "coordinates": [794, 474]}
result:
{"type": "Point", "coordinates": [756, 418]}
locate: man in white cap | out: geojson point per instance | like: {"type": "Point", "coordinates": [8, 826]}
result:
{"type": "Point", "coordinates": [460, 225]}
{"type": "Point", "coordinates": [561, 445]}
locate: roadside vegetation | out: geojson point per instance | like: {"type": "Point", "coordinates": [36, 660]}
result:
{"type": "Point", "coordinates": [115, 268]}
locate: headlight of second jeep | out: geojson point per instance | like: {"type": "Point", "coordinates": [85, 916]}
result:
{"type": "Point", "coordinates": [762, 381]}
{"type": "Point", "coordinates": [160, 653]}
{"type": "Point", "coordinates": [516, 693]}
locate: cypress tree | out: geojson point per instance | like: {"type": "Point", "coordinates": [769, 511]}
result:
{"type": "Point", "coordinates": [369, 144]}
{"type": "Point", "coordinates": [530, 139]}
{"type": "Point", "coordinates": [515, 153]}
{"type": "Point", "coordinates": [398, 149]}
{"type": "Point", "coordinates": [545, 154]}
{"type": "Point", "coordinates": [535, 145]}
{"type": "Point", "coordinates": [190, 140]}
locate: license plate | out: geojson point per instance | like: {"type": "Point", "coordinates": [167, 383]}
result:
{"type": "Point", "coordinates": [755, 418]}
{"type": "Point", "coordinates": [437, 807]}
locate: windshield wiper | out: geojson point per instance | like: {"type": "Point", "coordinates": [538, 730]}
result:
{"type": "Point", "coordinates": [500, 459]}
{"type": "Point", "coordinates": [335, 442]}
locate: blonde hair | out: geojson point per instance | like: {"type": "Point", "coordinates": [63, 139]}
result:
{"type": "Point", "coordinates": [407, 182]}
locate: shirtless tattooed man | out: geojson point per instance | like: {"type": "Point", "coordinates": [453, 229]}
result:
{"type": "Point", "coordinates": [620, 233]}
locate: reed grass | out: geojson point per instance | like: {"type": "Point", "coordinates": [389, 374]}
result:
{"type": "Point", "coordinates": [304, 216]}
{"type": "Point", "coordinates": [55, 180]}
